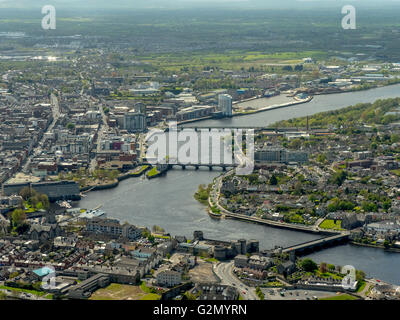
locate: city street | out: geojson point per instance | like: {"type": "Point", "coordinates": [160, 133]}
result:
{"type": "Point", "coordinates": [225, 273]}
{"type": "Point", "coordinates": [56, 114]}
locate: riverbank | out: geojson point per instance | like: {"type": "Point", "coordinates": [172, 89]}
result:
{"type": "Point", "coordinates": [247, 100]}
{"type": "Point", "coordinates": [239, 114]}
{"type": "Point", "coordinates": [284, 105]}
{"type": "Point", "coordinates": [138, 172]}
{"type": "Point", "coordinates": [273, 107]}
{"type": "Point", "coordinates": [397, 250]}
{"type": "Point", "coordinates": [216, 210]}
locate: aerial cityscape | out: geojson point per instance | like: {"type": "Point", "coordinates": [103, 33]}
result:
{"type": "Point", "coordinates": [189, 150]}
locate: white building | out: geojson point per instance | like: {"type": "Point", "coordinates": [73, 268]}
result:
{"type": "Point", "coordinates": [383, 227]}
{"type": "Point", "coordinates": [169, 278]}
{"type": "Point", "coordinates": [225, 104]}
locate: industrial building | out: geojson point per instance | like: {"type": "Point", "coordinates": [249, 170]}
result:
{"type": "Point", "coordinates": [280, 155]}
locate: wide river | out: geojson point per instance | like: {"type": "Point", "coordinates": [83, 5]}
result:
{"type": "Point", "coordinates": [168, 201]}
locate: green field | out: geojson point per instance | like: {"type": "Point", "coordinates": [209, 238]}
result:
{"type": "Point", "coordinates": [340, 297]}
{"type": "Point", "coordinates": [330, 224]}
{"type": "Point", "coordinates": [361, 286]}
{"type": "Point", "coordinates": [234, 60]}
{"type": "Point", "coordinates": [36, 293]}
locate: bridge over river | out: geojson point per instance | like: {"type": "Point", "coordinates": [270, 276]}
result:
{"type": "Point", "coordinates": [196, 166]}
{"type": "Point", "coordinates": [315, 245]}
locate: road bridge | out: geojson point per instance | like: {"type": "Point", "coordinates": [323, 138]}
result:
{"type": "Point", "coordinates": [315, 245]}
{"type": "Point", "coordinates": [196, 166]}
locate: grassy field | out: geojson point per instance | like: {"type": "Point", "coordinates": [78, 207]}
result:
{"type": "Point", "coordinates": [123, 292]}
{"type": "Point", "coordinates": [329, 275]}
{"type": "Point", "coordinates": [340, 297]}
{"type": "Point", "coordinates": [396, 172]}
{"type": "Point", "coordinates": [361, 286]}
{"type": "Point", "coordinates": [234, 60]}
{"type": "Point", "coordinates": [330, 224]}
{"type": "Point", "coordinates": [273, 284]}
{"type": "Point", "coordinates": [36, 293]}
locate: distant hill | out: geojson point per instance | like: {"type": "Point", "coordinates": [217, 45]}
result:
{"type": "Point", "coordinates": [180, 4]}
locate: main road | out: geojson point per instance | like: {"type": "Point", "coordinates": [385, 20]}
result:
{"type": "Point", "coordinates": [102, 129]}
{"type": "Point", "coordinates": [56, 114]}
{"type": "Point", "coordinates": [224, 270]}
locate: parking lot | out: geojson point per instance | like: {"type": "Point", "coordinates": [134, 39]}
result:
{"type": "Point", "coordinates": [298, 294]}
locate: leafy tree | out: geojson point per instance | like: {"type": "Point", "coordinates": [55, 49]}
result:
{"type": "Point", "coordinates": [395, 138]}
{"type": "Point", "coordinates": [253, 178]}
{"type": "Point", "coordinates": [386, 244]}
{"type": "Point", "coordinates": [321, 158]}
{"type": "Point", "coordinates": [18, 217]}
{"type": "Point", "coordinates": [339, 177]}
{"type": "Point", "coordinates": [27, 192]}
{"type": "Point", "coordinates": [259, 293]}
{"type": "Point", "coordinates": [298, 67]}
{"type": "Point", "coordinates": [323, 267]}
{"type": "Point", "coordinates": [308, 265]}
{"type": "Point", "coordinates": [273, 181]}
{"type": "Point", "coordinates": [295, 144]}
{"type": "Point", "coordinates": [360, 275]}
{"type": "Point", "coordinates": [287, 68]}
{"type": "Point", "coordinates": [37, 286]}
{"type": "Point", "coordinates": [157, 229]}
{"type": "Point", "coordinates": [298, 188]}
{"type": "Point", "coordinates": [44, 200]}
{"type": "Point", "coordinates": [386, 204]}
{"type": "Point", "coordinates": [369, 206]}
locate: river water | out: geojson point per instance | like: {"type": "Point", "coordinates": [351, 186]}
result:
{"type": "Point", "coordinates": [168, 201]}
{"type": "Point", "coordinates": [319, 103]}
